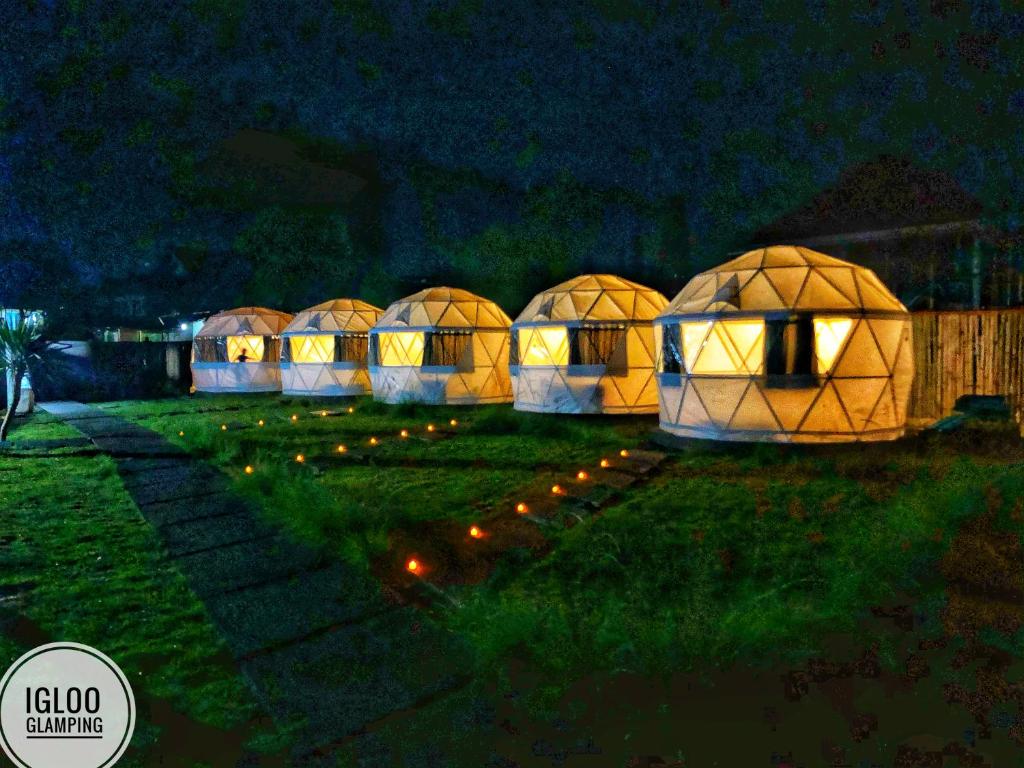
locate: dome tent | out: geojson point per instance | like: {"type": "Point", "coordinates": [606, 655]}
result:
{"type": "Point", "coordinates": [587, 346]}
{"type": "Point", "coordinates": [239, 351]}
{"type": "Point", "coordinates": [441, 345]}
{"type": "Point", "coordinates": [325, 348]}
{"type": "Point", "coordinates": [785, 344]}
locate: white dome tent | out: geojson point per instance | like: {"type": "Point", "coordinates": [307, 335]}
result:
{"type": "Point", "coordinates": [785, 344]}
{"type": "Point", "coordinates": [325, 349]}
{"type": "Point", "coordinates": [441, 345]}
{"type": "Point", "coordinates": [587, 346]}
{"type": "Point", "coordinates": [239, 351]}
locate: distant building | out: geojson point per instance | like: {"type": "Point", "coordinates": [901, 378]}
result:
{"type": "Point", "coordinates": [920, 232]}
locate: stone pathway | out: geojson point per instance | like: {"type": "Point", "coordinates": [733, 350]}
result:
{"type": "Point", "coordinates": [323, 651]}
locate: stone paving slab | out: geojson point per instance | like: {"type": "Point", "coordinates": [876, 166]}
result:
{"type": "Point", "coordinates": [163, 513]}
{"type": "Point", "coordinates": [183, 482]}
{"type": "Point", "coordinates": [125, 447]}
{"type": "Point", "coordinates": [192, 536]}
{"type": "Point", "coordinates": [269, 615]}
{"type": "Point", "coordinates": [245, 565]}
{"type": "Point", "coordinates": [349, 677]}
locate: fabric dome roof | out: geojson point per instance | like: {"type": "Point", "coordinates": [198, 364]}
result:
{"type": "Point", "coordinates": [784, 277]}
{"type": "Point", "coordinates": [444, 308]}
{"type": "Point", "coordinates": [245, 321]}
{"type": "Point", "coordinates": [594, 297]}
{"type": "Point", "coordinates": [336, 316]}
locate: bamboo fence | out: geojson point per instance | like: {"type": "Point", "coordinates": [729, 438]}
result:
{"type": "Point", "coordinates": [974, 352]}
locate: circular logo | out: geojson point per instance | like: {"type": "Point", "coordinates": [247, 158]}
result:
{"type": "Point", "coordinates": [65, 705]}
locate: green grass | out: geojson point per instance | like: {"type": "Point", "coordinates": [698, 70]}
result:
{"type": "Point", "coordinates": [753, 552]}
{"type": "Point", "coordinates": [348, 506]}
{"type": "Point", "coordinates": [85, 566]}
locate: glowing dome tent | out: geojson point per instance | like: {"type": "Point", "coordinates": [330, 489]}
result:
{"type": "Point", "coordinates": [785, 344]}
{"type": "Point", "coordinates": [441, 345]}
{"type": "Point", "coordinates": [239, 351]}
{"type": "Point", "coordinates": [325, 349]}
{"type": "Point", "coordinates": [587, 346]}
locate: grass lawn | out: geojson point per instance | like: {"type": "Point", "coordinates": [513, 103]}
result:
{"type": "Point", "coordinates": [752, 554]}
{"type": "Point", "coordinates": [749, 552]}
{"type": "Point", "coordinates": [78, 562]}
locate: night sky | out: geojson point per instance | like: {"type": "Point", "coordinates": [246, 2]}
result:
{"type": "Point", "coordinates": [212, 153]}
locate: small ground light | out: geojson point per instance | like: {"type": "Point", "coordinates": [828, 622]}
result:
{"type": "Point", "coordinates": [454, 422]}
{"type": "Point", "coordinates": [259, 423]}
{"type": "Point", "coordinates": [556, 489]}
{"type": "Point", "coordinates": [404, 433]}
{"type": "Point", "coordinates": [300, 458]}
{"type": "Point", "coordinates": [475, 532]}
{"type": "Point", "coordinates": [374, 441]}
{"type": "Point", "coordinates": [605, 463]}
{"type": "Point", "coordinates": [248, 469]}
{"type": "Point", "coordinates": [323, 413]}
{"type": "Point", "coordinates": [582, 475]}
{"type": "Point", "coordinates": [623, 453]}
{"type": "Point", "coordinates": [223, 427]}
{"type": "Point", "coordinates": [351, 409]}
{"type": "Point", "coordinates": [295, 417]}
{"type": "Point", "coordinates": [342, 449]}
{"type": "Point", "coordinates": [431, 427]}
{"type": "Point", "coordinates": [181, 433]}
{"type": "Point", "coordinates": [521, 508]}
{"type": "Point", "coordinates": [413, 566]}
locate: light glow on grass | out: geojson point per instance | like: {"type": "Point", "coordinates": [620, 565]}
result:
{"type": "Point", "coordinates": [556, 489]}
{"type": "Point", "coordinates": [413, 566]}
{"type": "Point", "coordinates": [248, 469]}
{"type": "Point", "coordinates": [582, 475]}
{"type": "Point", "coordinates": [605, 463]}
{"type": "Point", "coordinates": [374, 441]}
{"type": "Point", "coordinates": [624, 453]}
{"type": "Point", "coordinates": [521, 508]}
{"type": "Point", "coordinates": [300, 458]}
{"type": "Point", "coordinates": [342, 449]}
{"type": "Point", "coordinates": [404, 433]}
{"type": "Point", "coordinates": [475, 532]}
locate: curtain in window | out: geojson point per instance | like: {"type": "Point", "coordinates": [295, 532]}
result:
{"type": "Point", "coordinates": [671, 349]}
{"type": "Point", "coordinates": [211, 350]}
{"type": "Point", "coordinates": [446, 349]}
{"type": "Point", "coordinates": [350, 348]}
{"type": "Point", "coordinates": [594, 346]}
{"type": "Point", "coordinates": [513, 347]}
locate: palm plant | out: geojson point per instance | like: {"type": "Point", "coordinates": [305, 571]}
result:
{"type": "Point", "coordinates": [20, 342]}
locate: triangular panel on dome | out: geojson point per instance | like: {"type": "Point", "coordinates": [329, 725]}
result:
{"type": "Point", "coordinates": [818, 293]}
{"type": "Point", "coordinates": [788, 282]}
{"type": "Point", "coordinates": [760, 294]}
{"type": "Point", "coordinates": [859, 397]}
{"type": "Point", "coordinates": [720, 397]}
{"type": "Point", "coordinates": [826, 414]}
{"type": "Point", "coordinates": [790, 405]}
{"type": "Point", "coordinates": [860, 356]}
{"type": "Point", "coordinates": [753, 413]}
{"type": "Point", "coordinates": [783, 256]}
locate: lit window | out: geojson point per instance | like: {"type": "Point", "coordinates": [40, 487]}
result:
{"type": "Point", "coordinates": [544, 346]}
{"type": "Point", "coordinates": [829, 335]}
{"type": "Point", "coordinates": [245, 349]}
{"type": "Point", "coordinates": [311, 349]}
{"type": "Point", "coordinates": [724, 347]}
{"type": "Point", "coordinates": [400, 348]}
